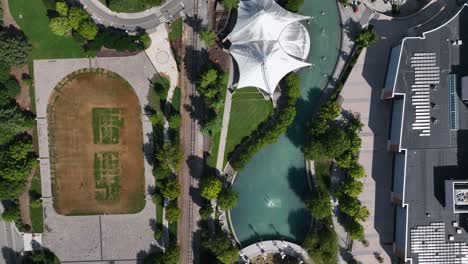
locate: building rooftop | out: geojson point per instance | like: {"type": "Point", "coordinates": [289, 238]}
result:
{"type": "Point", "coordinates": [434, 136]}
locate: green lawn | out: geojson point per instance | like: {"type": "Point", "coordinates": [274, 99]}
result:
{"type": "Point", "coordinates": [131, 6]}
{"type": "Point", "coordinates": [31, 16]}
{"type": "Point", "coordinates": [248, 110]}
{"type": "Point", "coordinates": [35, 205]}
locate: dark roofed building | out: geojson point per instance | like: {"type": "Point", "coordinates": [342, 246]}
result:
{"type": "Point", "coordinates": [429, 135]}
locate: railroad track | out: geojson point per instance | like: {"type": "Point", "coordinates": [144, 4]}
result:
{"type": "Point", "coordinates": [193, 134]}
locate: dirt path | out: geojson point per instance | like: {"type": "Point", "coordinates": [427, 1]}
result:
{"type": "Point", "coordinates": [7, 17]}
{"type": "Point", "coordinates": [24, 200]}
{"type": "Point", "coordinates": [23, 99]}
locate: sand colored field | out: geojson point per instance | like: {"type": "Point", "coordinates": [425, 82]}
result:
{"type": "Point", "coordinates": [73, 149]}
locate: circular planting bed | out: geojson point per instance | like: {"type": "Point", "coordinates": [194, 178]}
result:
{"type": "Point", "coordinates": [96, 145]}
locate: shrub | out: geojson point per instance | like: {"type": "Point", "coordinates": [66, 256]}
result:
{"type": "Point", "coordinates": [11, 214]}
{"type": "Point", "coordinates": [88, 30]}
{"type": "Point", "coordinates": [208, 36]}
{"type": "Point", "coordinates": [145, 40]}
{"type": "Point", "coordinates": [176, 29]}
{"type": "Point", "coordinates": [230, 4]}
{"type": "Point", "coordinates": [157, 234]}
{"type": "Point", "coordinates": [61, 8]}
{"type": "Point", "coordinates": [294, 5]}
{"type": "Point", "coordinates": [60, 26]}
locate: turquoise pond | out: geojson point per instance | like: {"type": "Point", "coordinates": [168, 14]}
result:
{"type": "Point", "coordinates": [273, 184]}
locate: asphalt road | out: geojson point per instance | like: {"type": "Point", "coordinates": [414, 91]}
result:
{"type": "Point", "coordinates": [147, 20]}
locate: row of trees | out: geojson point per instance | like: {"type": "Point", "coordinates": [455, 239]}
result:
{"type": "Point", "coordinates": [286, 112]}
{"type": "Point", "coordinates": [336, 137]}
{"type": "Point", "coordinates": [17, 157]}
{"type": "Point", "coordinates": [167, 154]}
{"type": "Point", "coordinates": [212, 85]}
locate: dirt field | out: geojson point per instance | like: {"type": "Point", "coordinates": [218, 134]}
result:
{"type": "Point", "coordinates": [99, 178]}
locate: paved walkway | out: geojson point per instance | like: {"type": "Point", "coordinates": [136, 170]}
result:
{"type": "Point", "coordinates": [225, 124]}
{"type": "Point", "coordinates": [98, 237]}
{"type": "Point", "coordinates": [11, 241]}
{"type": "Point", "coordinates": [147, 20]}
{"type": "Point", "coordinates": [274, 246]}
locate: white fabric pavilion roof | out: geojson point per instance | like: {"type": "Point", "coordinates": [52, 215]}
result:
{"type": "Point", "coordinates": [268, 42]}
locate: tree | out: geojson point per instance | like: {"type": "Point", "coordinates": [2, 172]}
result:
{"type": "Point", "coordinates": [221, 247]}
{"type": "Point", "coordinates": [362, 214]}
{"type": "Point", "coordinates": [227, 199]}
{"type": "Point", "coordinates": [171, 189]}
{"type": "Point", "coordinates": [355, 230]}
{"type": "Point", "coordinates": [211, 187]}
{"type": "Point", "coordinates": [230, 4]}
{"type": "Point", "coordinates": [349, 205]}
{"type": "Point", "coordinates": [14, 48]}
{"type": "Point", "coordinates": [319, 205]}
{"type": "Point", "coordinates": [347, 159]}
{"type": "Point", "coordinates": [171, 256]}
{"type": "Point", "coordinates": [88, 30]}
{"type": "Point", "coordinates": [351, 187]}
{"type": "Point", "coordinates": [206, 210]}
{"type": "Point", "coordinates": [11, 214]}
{"type": "Point", "coordinates": [16, 160]}
{"type": "Point", "coordinates": [322, 245]}
{"type": "Point", "coordinates": [4, 73]}
{"type": "Point", "coordinates": [12, 122]}
{"type": "Point", "coordinates": [294, 5]}
{"type": "Point", "coordinates": [208, 78]}
{"type": "Point", "coordinates": [9, 89]}
{"type": "Point", "coordinates": [76, 16]}
{"type": "Point", "coordinates": [172, 212]}
{"type": "Point", "coordinates": [366, 38]}
{"type": "Point", "coordinates": [208, 36]}
{"type": "Point", "coordinates": [60, 26]}
{"type": "Point", "coordinates": [170, 157]}
{"type": "Point", "coordinates": [61, 8]}
{"type": "Point", "coordinates": [174, 121]}
{"type": "Point", "coordinates": [335, 142]}
{"type": "Point", "coordinates": [356, 171]}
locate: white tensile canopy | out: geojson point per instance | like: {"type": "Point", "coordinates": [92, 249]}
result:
{"type": "Point", "coordinates": [268, 42]}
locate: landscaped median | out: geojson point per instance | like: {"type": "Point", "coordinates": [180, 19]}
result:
{"type": "Point", "coordinates": [269, 132]}
{"type": "Point", "coordinates": [249, 111]}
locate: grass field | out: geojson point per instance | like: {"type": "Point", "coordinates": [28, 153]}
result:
{"type": "Point", "coordinates": [94, 177]}
{"type": "Point", "coordinates": [131, 6]}
{"type": "Point", "coordinates": [35, 205]}
{"type": "Point", "coordinates": [31, 16]}
{"type": "Point", "coordinates": [107, 175]}
{"type": "Point", "coordinates": [248, 110]}
{"type": "Point", "coordinates": [107, 123]}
